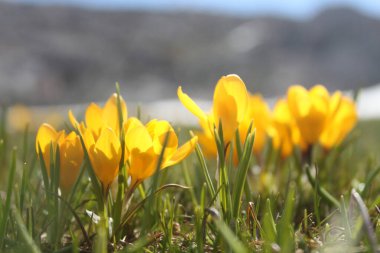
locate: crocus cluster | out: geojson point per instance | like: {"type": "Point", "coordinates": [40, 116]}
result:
{"type": "Point", "coordinates": [308, 117]}
{"type": "Point", "coordinates": [111, 140]}
{"type": "Point", "coordinates": [302, 119]}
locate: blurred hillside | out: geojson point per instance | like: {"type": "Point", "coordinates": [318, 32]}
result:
{"type": "Point", "coordinates": [69, 55]}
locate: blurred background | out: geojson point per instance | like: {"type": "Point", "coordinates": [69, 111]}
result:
{"type": "Point", "coordinates": [73, 51]}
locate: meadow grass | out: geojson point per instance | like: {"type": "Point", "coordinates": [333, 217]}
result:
{"type": "Point", "coordinates": [326, 202]}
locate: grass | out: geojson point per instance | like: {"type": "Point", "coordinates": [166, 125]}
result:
{"type": "Point", "coordinates": [201, 205]}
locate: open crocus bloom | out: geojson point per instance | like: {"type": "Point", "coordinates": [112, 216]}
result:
{"type": "Point", "coordinates": [70, 152]}
{"type": "Point", "coordinates": [320, 117]}
{"type": "Point", "coordinates": [104, 153]}
{"type": "Point", "coordinates": [229, 107]}
{"type": "Point", "coordinates": [309, 109]}
{"type": "Point", "coordinates": [144, 145]}
{"type": "Point", "coordinates": [96, 117]}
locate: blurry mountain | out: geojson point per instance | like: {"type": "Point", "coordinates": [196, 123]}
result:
{"type": "Point", "coordinates": [65, 55]}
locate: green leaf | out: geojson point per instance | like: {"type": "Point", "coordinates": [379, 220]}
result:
{"type": "Point", "coordinates": [241, 176]}
{"type": "Point", "coordinates": [233, 242]}
{"type": "Point", "coordinates": [269, 227]}
{"type": "Point", "coordinates": [31, 245]}
{"type": "Point", "coordinates": [202, 162]}
{"type": "Point", "coordinates": [285, 228]}
{"type": "Point", "coordinates": [7, 206]}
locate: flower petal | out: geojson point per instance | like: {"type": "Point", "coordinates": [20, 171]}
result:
{"type": "Point", "coordinates": [182, 152]}
{"type": "Point", "coordinates": [105, 156]}
{"type": "Point", "coordinates": [191, 105]}
{"type": "Point", "coordinates": [111, 112]}
{"type": "Point", "coordinates": [230, 104]}
{"type": "Point", "coordinates": [158, 129]}
{"type": "Point", "coordinates": [46, 134]}
{"type": "Point", "coordinates": [93, 118]}
{"type": "Point", "coordinates": [138, 138]}
{"type": "Point", "coordinates": [71, 157]}
{"type": "Point", "coordinates": [231, 86]}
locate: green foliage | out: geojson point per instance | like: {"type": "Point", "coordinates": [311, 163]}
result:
{"type": "Point", "coordinates": [254, 204]}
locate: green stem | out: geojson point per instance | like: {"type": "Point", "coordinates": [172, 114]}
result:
{"type": "Point", "coordinates": [322, 191]}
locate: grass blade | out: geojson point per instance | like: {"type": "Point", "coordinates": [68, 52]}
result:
{"type": "Point", "coordinates": [202, 162]}
{"type": "Point", "coordinates": [233, 242]}
{"type": "Point", "coordinates": [368, 228]}
{"type": "Point", "coordinates": [7, 206]}
{"type": "Point", "coordinates": [31, 245]}
{"type": "Point", "coordinates": [241, 176]}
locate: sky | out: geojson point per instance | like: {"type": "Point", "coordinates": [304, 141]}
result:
{"type": "Point", "coordinates": [297, 9]}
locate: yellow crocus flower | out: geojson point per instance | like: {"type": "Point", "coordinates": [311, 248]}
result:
{"type": "Point", "coordinates": [320, 117]}
{"type": "Point", "coordinates": [340, 121]}
{"type": "Point", "coordinates": [258, 113]}
{"type": "Point", "coordinates": [70, 152]}
{"type": "Point", "coordinates": [284, 131]}
{"type": "Point", "coordinates": [144, 145]}
{"type": "Point", "coordinates": [97, 117]}
{"type": "Point", "coordinates": [229, 107]}
{"type": "Point", "coordinates": [104, 152]}
{"type": "Point", "coordinates": [309, 109]}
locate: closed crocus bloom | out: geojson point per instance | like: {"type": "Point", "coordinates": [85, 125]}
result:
{"type": "Point", "coordinates": [97, 117]}
{"type": "Point", "coordinates": [70, 153]}
{"type": "Point", "coordinates": [229, 106]}
{"type": "Point", "coordinates": [284, 132]}
{"type": "Point", "coordinates": [258, 113]}
{"type": "Point", "coordinates": [342, 118]}
{"type": "Point", "coordinates": [309, 109]}
{"type": "Point", "coordinates": [144, 145]}
{"type": "Point", "coordinates": [104, 153]}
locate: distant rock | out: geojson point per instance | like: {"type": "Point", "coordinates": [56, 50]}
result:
{"type": "Point", "coordinates": [71, 55]}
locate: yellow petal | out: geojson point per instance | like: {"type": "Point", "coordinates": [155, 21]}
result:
{"type": "Point", "coordinates": [108, 143]}
{"type": "Point", "coordinates": [335, 101]}
{"type": "Point", "coordinates": [131, 123]}
{"type": "Point", "coordinates": [182, 152]}
{"type": "Point", "coordinates": [142, 164]}
{"type": "Point", "coordinates": [73, 120]}
{"type": "Point", "coordinates": [138, 138]}
{"type": "Point", "coordinates": [320, 91]}
{"type": "Point", "coordinates": [230, 104]}
{"type": "Point", "coordinates": [94, 119]}
{"type": "Point", "coordinates": [298, 101]}
{"type": "Point", "coordinates": [208, 145]}
{"type": "Point", "coordinates": [231, 86]}
{"type": "Point", "coordinates": [340, 124]}
{"type": "Point", "coordinates": [46, 136]}
{"type": "Point", "coordinates": [158, 131]}
{"type": "Point", "coordinates": [105, 156]}
{"type": "Point", "coordinates": [191, 105]}
{"type": "Point", "coordinates": [88, 139]}
{"type": "Point", "coordinates": [71, 157]}
{"type": "Point", "coordinates": [111, 112]}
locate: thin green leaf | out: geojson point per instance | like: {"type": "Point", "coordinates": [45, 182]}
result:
{"type": "Point", "coordinates": [269, 227]}
{"type": "Point", "coordinates": [241, 176]}
{"type": "Point", "coordinates": [235, 244]}
{"type": "Point", "coordinates": [202, 162]}
{"type": "Point", "coordinates": [7, 206]}
{"type": "Point", "coordinates": [324, 193]}
{"type": "Point", "coordinates": [31, 245]}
